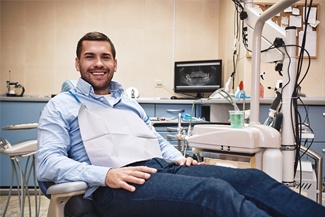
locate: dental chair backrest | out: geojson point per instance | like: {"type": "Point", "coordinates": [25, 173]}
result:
{"type": "Point", "coordinates": [44, 186]}
{"type": "Point", "coordinates": [68, 84]}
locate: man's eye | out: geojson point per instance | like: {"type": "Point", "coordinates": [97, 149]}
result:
{"type": "Point", "coordinates": [88, 57]}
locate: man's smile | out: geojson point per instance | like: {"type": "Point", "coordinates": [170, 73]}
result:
{"type": "Point", "coordinates": [98, 72]}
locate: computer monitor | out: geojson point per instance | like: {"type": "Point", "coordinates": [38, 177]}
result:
{"type": "Point", "coordinates": [200, 76]}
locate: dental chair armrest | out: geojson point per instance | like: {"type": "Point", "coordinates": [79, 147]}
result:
{"type": "Point", "coordinates": [60, 194]}
{"type": "Point", "coordinates": [68, 187]}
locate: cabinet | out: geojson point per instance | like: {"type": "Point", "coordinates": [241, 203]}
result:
{"type": "Point", "coordinates": [317, 123]}
{"type": "Point", "coordinates": [159, 109]}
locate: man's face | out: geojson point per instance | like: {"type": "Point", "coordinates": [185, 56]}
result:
{"type": "Point", "coordinates": [97, 65]}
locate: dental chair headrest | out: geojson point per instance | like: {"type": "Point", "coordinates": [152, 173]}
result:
{"type": "Point", "coordinates": [68, 84]}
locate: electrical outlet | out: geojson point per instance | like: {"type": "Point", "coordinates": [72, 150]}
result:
{"type": "Point", "coordinates": [158, 83]}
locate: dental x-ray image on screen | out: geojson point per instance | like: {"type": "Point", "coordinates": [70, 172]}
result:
{"type": "Point", "coordinates": [197, 76]}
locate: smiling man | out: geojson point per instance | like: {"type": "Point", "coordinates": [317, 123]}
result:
{"type": "Point", "coordinates": [96, 134]}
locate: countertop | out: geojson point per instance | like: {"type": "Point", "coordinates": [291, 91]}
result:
{"type": "Point", "coordinates": [4, 98]}
{"type": "Point", "coordinates": [158, 100]}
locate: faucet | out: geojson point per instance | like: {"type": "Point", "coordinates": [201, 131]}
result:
{"type": "Point", "coordinates": [228, 97]}
{"type": "Point", "coordinates": [242, 94]}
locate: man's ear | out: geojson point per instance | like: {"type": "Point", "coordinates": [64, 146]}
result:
{"type": "Point", "coordinates": [115, 65]}
{"type": "Point", "coordinates": [77, 64]}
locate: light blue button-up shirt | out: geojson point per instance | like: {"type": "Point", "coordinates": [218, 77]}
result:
{"type": "Point", "coordinates": [61, 156]}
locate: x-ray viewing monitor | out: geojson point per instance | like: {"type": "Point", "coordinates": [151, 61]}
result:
{"type": "Point", "coordinates": [202, 76]}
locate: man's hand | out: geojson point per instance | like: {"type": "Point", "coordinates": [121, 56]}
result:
{"type": "Point", "coordinates": [188, 162]}
{"type": "Point", "coordinates": [124, 177]}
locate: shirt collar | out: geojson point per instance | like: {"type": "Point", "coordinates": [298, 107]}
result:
{"type": "Point", "coordinates": [84, 87]}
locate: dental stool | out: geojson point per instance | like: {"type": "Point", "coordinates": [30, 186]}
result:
{"type": "Point", "coordinates": [66, 200]}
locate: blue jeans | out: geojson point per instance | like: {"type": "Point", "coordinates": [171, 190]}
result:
{"type": "Point", "coordinates": [203, 191]}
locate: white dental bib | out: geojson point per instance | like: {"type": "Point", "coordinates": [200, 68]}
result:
{"type": "Point", "coordinates": [115, 138]}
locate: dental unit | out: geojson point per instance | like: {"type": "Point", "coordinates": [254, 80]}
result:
{"type": "Point", "coordinates": [272, 151]}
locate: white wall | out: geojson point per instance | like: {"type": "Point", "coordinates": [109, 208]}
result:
{"type": "Point", "coordinates": [38, 40]}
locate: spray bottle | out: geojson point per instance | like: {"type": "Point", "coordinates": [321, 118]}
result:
{"type": "Point", "coordinates": [261, 85]}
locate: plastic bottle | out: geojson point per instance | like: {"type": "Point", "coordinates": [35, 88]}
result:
{"type": "Point", "coordinates": [261, 91]}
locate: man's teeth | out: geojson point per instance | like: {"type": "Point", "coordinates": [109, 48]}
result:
{"type": "Point", "coordinates": [98, 73]}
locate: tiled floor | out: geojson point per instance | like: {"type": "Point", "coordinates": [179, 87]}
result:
{"type": "Point", "coordinates": [14, 209]}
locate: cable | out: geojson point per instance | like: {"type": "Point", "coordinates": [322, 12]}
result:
{"type": "Point", "coordinates": [297, 87]}
{"type": "Point", "coordinates": [296, 116]}
{"type": "Point", "coordinates": [239, 9]}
